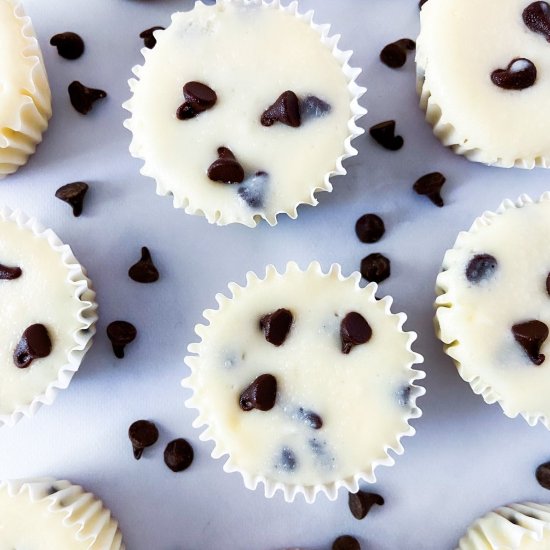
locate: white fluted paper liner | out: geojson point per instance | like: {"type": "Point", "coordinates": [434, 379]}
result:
{"type": "Point", "coordinates": [86, 318]}
{"type": "Point", "coordinates": [137, 147]}
{"type": "Point", "coordinates": [68, 506]}
{"type": "Point", "coordinates": [202, 403]}
{"type": "Point", "coordinates": [444, 312]}
{"type": "Point", "coordinates": [25, 117]}
{"type": "Point", "coordinates": [511, 527]}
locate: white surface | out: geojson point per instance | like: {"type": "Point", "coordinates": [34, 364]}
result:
{"type": "Point", "coordinates": [466, 458]}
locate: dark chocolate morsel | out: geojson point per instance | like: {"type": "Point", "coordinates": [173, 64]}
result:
{"type": "Point", "coordinates": [73, 194]}
{"type": "Point", "coordinates": [314, 107]}
{"type": "Point", "coordinates": [144, 270]}
{"type": "Point", "coordinates": [276, 326]}
{"type": "Point", "coordinates": [430, 185]}
{"type": "Point", "coordinates": [69, 45]}
{"type": "Point", "coordinates": [394, 55]}
{"type": "Point", "coordinates": [260, 394]}
{"type": "Point", "coordinates": [10, 273]}
{"type": "Point", "coordinates": [548, 284]}
{"type": "Point", "coordinates": [35, 343]}
{"type": "Point", "coordinates": [530, 336]}
{"type": "Point", "coordinates": [149, 41]}
{"type": "Point", "coordinates": [537, 18]}
{"type": "Point", "coordinates": [354, 331]}
{"type": "Point", "coordinates": [375, 268]}
{"type": "Point", "coordinates": [543, 475]}
{"type": "Point", "coordinates": [481, 267]}
{"type": "Point", "coordinates": [370, 228]}
{"type": "Point", "coordinates": [421, 3]}
{"type": "Point", "coordinates": [198, 98]}
{"type": "Point", "coordinates": [142, 434]}
{"type": "Point", "coordinates": [312, 419]}
{"type": "Point", "coordinates": [253, 188]}
{"type": "Point", "coordinates": [226, 168]}
{"type": "Point", "coordinates": [288, 460]}
{"type": "Point", "coordinates": [346, 542]}
{"type": "Point", "coordinates": [178, 455]}
{"type": "Point", "coordinates": [521, 73]}
{"type": "Point", "coordinates": [121, 333]}
{"type": "Point", "coordinates": [285, 110]}
{"type": "Point", "coordinates": [384, 134]}
{"type": "Point", "coordinates": [83, 98]}
{"type": "Point", "coordinates": [361, 502]}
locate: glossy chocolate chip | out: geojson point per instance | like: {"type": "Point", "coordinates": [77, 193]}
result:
{"type": "Point", "coordinates": [10, 273]}
{"type": "Point", "coordinates": [430, 185]}
{"type": "Point", "coordinates": [121, 333]}
{"type": "Point", "coordinates": [354, 331]}
{"type": "Point", "coordinates": [346, 542]}
{"type": "Point", "coordinates": [83, 98]}
{"type": "Point", "coordinates": [548, 284]}
{"type": "Point", "coordinates": [73, 194]}
{"type": "Point", "coordinates": [537, 18]}
{"type": "Point", "coordinates": [314, 107]}
{"type": "Point", "coordinates": [285, 110]}
{"type": "Point", "coordinates": [69, 45]}
{"type": "Point", "coordinates": [198, 98]}
{"type": "Point", "coordinates": [310, 418]}
{"type": "Point", "coordinates": [384, 134]}
{"type": "Point", "coordinates": [361, 502]}
{"type": "Point", "coordinates": [370, 228]}
{"type": "Point", "coordinates": [481, 267]}
{"type": "Point", "coordinates": [149, 40]}
{"type": "Point", "coordinates": [276, 326]}
{"type": "Point", "coordinates": [253, 189]}
{"type": "Point", "coordinates": [178, 455]}
{"type": "Point", "coordinates": [226, 168]}
{"type": "Point", "coordinates": [394, 55]}
{"type": "Point", "coordinates": [287, 460]}
{"type": "Point", "coordinates": [543, 475]}
{"type": "Point", "coordinates": [35, 343]}
{"type": "Point", "coordinates": [144, 270]}
{"type": "Point", "coordinates": [375, 268]}
{"type": "Point", "coordinates": [530, 336]}
{"type": "Point", "coordinates": [142, 434]}
{"type": "Point", "coordinates": [260, 394]}
{"type": "Point", "coordinates": [521, 73]}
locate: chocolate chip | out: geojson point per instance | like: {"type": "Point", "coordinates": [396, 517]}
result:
{"type": "Point", "coordinates": [430, 185]}
{"type": "Point", "coordinates": [310, 418]}
{"type": "Point", "coordinates": [260, 394]}
{"type": "Point", "coordinates": [530, 336]}
{"type": "Point", "coordinates": [10, 273]}
{"type": "Point", "coordinates": [178, 455]}
{"type": "Point", "coordinates": [361, 502]}
{"type": "Point", "coordinates": [521, 73]}
{"type": "Point", "coordinates": [69, 45]}
{"type": "Point", "coordinates": [288, 460]}
{"type": "Point", "coordinates": [384, 134]}
{"type": "Point", "coordinates": [404, 396]}
{"type": "Point", "coordinates": [121, 333]}
{"type": "Point", "coordinates": [198, 98]}
{"type": "Point", "coordinates": [375, 267]}
{"type": "Point", "coordinates": [543, 475]}
{"type": "Point", "coordinates": [346, 542]}
{"type": "Point", "coordinates": [314, 107]}
{"type": "Point", "coordinates": [370, 228]}
{"type": "Point", "coordinates": [149, 41]}
{"type": "Point", "coordinates": [421, 3]}
{"type": "Point", "coordinates": [394, 55]}
{"type": "Point", "coordinates": [285, 110]}
{"type": "Point", "coordinates": [548, 284]}
{"type": "Point", "coordinates": [481, 267]}
{"type": "Point", "coordinates": [276, 326]}
{"type": "Point", "coordinates": [252, 189]}
{"type": "Point", "coordinates": [144, 270]}
{"type": "Point", "coordinates": [142, 434]}
{"type": "Point", "coordinates": [83, 98]}
{"type": "Point", "coordinates": [537, 18]}
{"type": "Point", "coordinates": [226, 169]}
{"type": "Point", "coordinates": [34, 344]}
{"type": "Point", "coordinates": [354, 331]}
{"type": "Point", "coordinates": [73, 194]}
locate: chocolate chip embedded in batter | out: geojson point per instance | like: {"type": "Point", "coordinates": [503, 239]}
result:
{"type": "Point", "coordinates": [83, 98]}
{"type": "Point", "coordinates": [430, 185]}
{"type": "Point", "coordinates": [548, 284]}
{"type": "Point", "coordinates": [142, 434]}
{"type": "Point", "coordinates": [310, 418]}
{"type": "Point", "coordinates": [253, 188]}
{"type": "Point", "coordinates": [285, 110]}
{"type": "Point", "coordinates": [370, 228]}
{"type": "Point", "coordinates": [260, 394]}
{"type": "Point", "coordinates": [198, 98]}
{"type": "Point", "coordinates": [394, 55]}
{"type": "Point", "coordinates": [543, 475]}
{"type": "Point", "coordinates": [288, 460]}
{"type": "Point", "coordinates": [149, 41]}
{"type": "Point", "coordinates": [121, 333]}
{"type": "Point", "coordinates": [354, 331]}
{"type": "Point", "coordinates": [178, 455]}
{"type": "Point", "coordinates": [530, 336]}
{"type": "Point", "coordinates": [384, 134]}
{"type": "Point", "coordinates": [10, 273]}
{"type": "Point", "coordinates": [375, 268]}
{"type": "Point", "coordinates": [73, 194]}
{"type": "Point", "coordinates": [361, 502]}
{"type": "Point", "coordinates": [521, 73]}
{"type": "Point", "coordinates": [421, 3]}
{"type": "Point", "coordinates": [35, 343]}
{"type": "Point", "coordinates": [404, 396]}
{"type": "Point", "coordinates": [144, 270]}
{"type": "Point", "coordinates": [314, 107]}
{"type": "Point", "coordinates": [537, 18]}
{"type": "Point", "coordinates": [226, 169]}
{"type": "Point", "coordinates": [276, 326]}
{"type": "Point", "coordinates": [69, 45]}
{"type": "Point", "coordinates": [481, 267]}
{"type": "Point", "coordinates": [346, 542]}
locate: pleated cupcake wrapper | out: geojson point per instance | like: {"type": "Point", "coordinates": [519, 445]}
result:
{"type": "Point", "coordinates": [445, 300]}
{"type": "Point", "coordinates": [93, 521]}
{"type": "Point", "coordinates": [508, 527]}
{"type": "Point", "coordinates": [87, 314]}
{"type": "Point", "coordinates": [201, 402]}
{"type": "Point", "coordinates": [22, 130]}
{"type": "Point", "coordinates": [356, 92]}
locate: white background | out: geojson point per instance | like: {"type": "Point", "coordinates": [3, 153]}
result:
{"type": "Point", "coordinates": [466, 458]}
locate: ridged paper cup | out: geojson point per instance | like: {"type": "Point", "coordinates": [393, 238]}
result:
{"type": "Point", "coordinates": [24, 91]}
{"type": "Point", "coordinates": [347, 397]}
{"type": "Point", "coordinates": [192, 202]}
{"type": "Point", "coordinates": [82, 328]}
{"type": "Point", "coordinates": [475, 325]}
{"type": "Point", "coordinates": [55, 514]}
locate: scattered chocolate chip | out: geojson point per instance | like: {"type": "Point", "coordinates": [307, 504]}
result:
{"type": "Point", "coordinates": [69, 45]}
{"type": "Point", "coordinates": [361, 502]}
{"type": "Point", "coordinates": [346, 542]}
{"type": "Point", "coordinates": [310, 418]}
{"type": "Point", "coordinates": [543, 475]}
{"type": "Point", "coordinates": [226, 169]}
{"type": "Point", "coordinates": [394, 55]}
{"type": "Point", "coordinates": [521, 73]}
{"type": "Point", "coordinates": [276, 326]}
{"type": "Point", "coordinates": [121, 333]}
{"type": "Point", "coordinates": [178, 455]}
{"type": "Point", "coordinates": [260, 394]}
{"type": "Point", "coordinates": [384, 134]}
{"type": "Point", "coordinates": [430, 185]}
{"type": "Point", "coordinates": [149, 41]}
{"type": "Point", "coordinates": [144, 270]}
{"type": "Point", "coordinates": [285, 110]}
{"type": "Point", "coordinates": [142, 434]}
{"type": "Point", "coordinates": [313, 107]}
{"type": "Point", "coordinates": [537, 18]}
{"type": "Point", "coordinates": [375, 268]}
{"type": "Point", "coordinates": [370, 228]}
{"type": "Point", "coordinates": [83, 98]}
{"type": "Point", "coordinates": [252, 189]}
{"type": "Point", "coordinates": [481, 267]}
{"type": "Point", "coordinates": [34, 344]}
{"type": "Point", "coordinates": [530, 336]}
{"type": "Point", "coordinates": [10, 273]}
{"type": "Point", "coordinates": [288, 460]}
{"type": "Point", "coordinates": [354, 331]}
{"type": "Point", "coordinates": [198, 98]}
{"type": "Point", "coordinates": [73, 194]}
{"type": "Point", "coordinates": [421, 3]}
{"type": "Point", "coordinates": [548, 284]}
